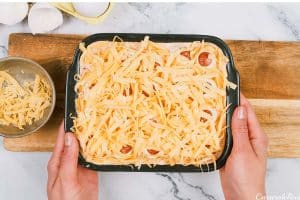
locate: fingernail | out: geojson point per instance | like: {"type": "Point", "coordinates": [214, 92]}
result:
{"type": "Point", "coordinates": [68, 139]}
{"type": "Point", "coordinates": [241, 112]}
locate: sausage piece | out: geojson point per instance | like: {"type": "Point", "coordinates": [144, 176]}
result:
{"type": "Point", "coordinates": [125, 149]}
{"type": "Point", "coordinates": [204, 59]}
{"type": "Point", "coordinates": [152, 151]}
{"type": "Point", "coordinates": [186, 54]}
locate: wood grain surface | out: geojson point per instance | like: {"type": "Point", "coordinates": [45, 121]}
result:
{"type": "Point", "coordinates": [269, 71]}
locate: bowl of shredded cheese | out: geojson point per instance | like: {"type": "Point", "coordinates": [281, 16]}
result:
{"type": "Point", "coordinates": [27, 96]}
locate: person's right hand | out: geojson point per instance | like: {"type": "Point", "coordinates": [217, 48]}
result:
{"type": "Point", "coordinates": [243, 176]}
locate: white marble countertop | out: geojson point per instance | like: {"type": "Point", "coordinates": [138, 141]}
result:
{"type": "Point", "coordinates": [23, 175]}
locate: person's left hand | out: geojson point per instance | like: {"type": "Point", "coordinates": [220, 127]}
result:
{"type": "Point", "coordinates": [67, 180]}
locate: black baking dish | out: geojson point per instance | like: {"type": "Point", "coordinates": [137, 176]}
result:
{"type": "Point", "coordinates": [232, 98]}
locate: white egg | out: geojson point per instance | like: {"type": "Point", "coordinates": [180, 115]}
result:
{"type": "Point", "coordinates": [94, 9]}
{"type": "Point", "coordinates": [43, 18]}
{"type": "Point", "coordinates": [12, 13]}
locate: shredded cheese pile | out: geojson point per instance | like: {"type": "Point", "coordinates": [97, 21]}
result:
{"type": "Point", "coordinates": [151, 103]}
{"type": "Point", "coordinates": [22, 105]}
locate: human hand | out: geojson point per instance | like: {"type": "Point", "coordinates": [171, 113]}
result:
{"type": "Point", "coordinates": [67, 180]}
{"type": "Point", "coordinates": [243, 176]}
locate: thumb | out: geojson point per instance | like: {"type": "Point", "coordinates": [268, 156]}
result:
{"type": "Point", "coordinates": [69, 158]}
{"type": "Point", "coordinates": [239, 127]}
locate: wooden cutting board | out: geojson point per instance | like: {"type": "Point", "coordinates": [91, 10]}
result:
{"type": "Point", "coordinates": [270, 77]}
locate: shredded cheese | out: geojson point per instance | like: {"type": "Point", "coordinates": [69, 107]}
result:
{"type": "Point", "coordinates": [22, 105]}
{"type": "Point", "coordinates": [151, 103]}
